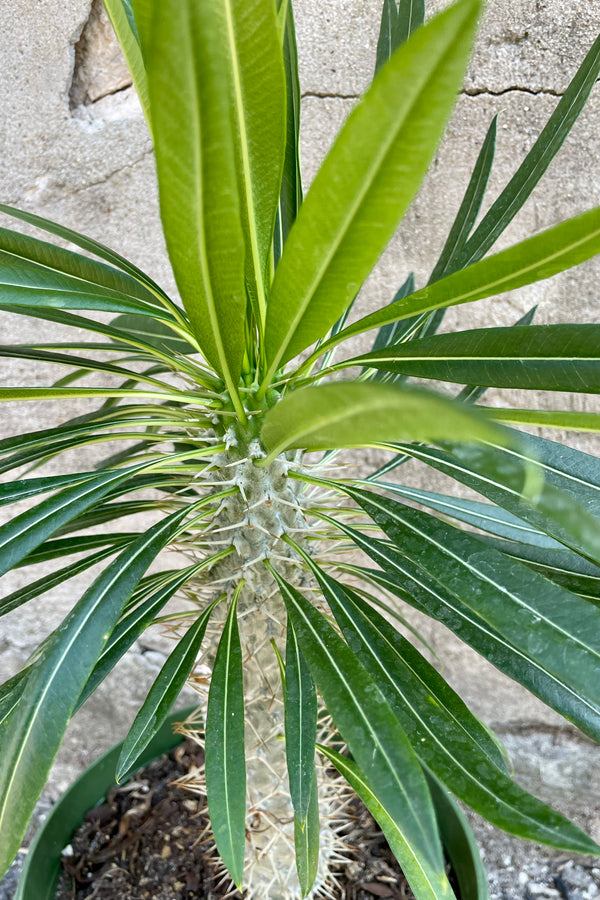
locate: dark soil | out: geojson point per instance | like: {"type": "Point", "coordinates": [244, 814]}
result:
{"type": "Point", "coordinates": [149, 840]}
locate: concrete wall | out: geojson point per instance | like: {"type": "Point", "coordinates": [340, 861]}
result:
{"type": "Point", "coordinates": [74, 148]}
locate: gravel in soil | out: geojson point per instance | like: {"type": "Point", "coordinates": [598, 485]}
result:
{"type": "Point", "coordinates": [150, 837]}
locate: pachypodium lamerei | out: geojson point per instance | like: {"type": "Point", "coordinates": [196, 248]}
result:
{"type": "Point", "coordinates": [233, 412]}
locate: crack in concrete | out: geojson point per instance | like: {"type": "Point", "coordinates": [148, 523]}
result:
{"type": "Point", "coordinates": [109, 93]}
{"type": "Point", "coordinates": [467, 92]}
{"type": "Point", "coordinates": [62, 190]}
{"type": "Point", "coordinates": [516, 89]}
{"type": "Point", "coordinates": [109, 175]}
{"type": "Point", "coordinates": [326, 96]}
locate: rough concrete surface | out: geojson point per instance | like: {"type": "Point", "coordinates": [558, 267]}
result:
{"type": "Point", "coordinates": [74, 147]}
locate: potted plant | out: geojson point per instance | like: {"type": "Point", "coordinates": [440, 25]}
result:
{"type": "Point", "coordinates": [221, 398]}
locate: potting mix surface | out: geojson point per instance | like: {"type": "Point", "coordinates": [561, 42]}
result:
{"type": "Point", "coordinates": [150, 838]}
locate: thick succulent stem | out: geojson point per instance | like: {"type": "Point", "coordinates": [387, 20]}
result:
{"type": "Point", "coordinates": [267, 506]}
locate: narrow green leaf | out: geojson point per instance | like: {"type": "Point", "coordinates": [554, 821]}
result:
{"type": "Point", "coordinates": [84, 364]}
{"type": "Point", "coordinates": [561, 566]}
{"type": "Point", "coordinates": [120, 13]}
{"type": "Point", "coordinates": [30, 446]}
{"type": "Point", "coordinates": [484, 516]}
{"type": "Point", "coordinates": [62, 317]}
{"type": "Point", "coordinates": [135, 622]}
{"type": "Point", "coordinates": [55, 549]}
{"type": "Point", "coordinates": [33, 272]}
{"type": "Point", "coordinates": [153, 332]}
{"type": "Point", "coordinates": [565, 420]}
{"type": "Point", "coordinates": [373, 735]}
{"type": "Point", "coordinates": [546, 254]}
{"type": "Point", "coordinates": [380, 808]}
{"type": "Point", "coordinates": [519, 188]}
{"type": "Point", "coordinates": [91, 246]}
{"type": "Point", "coordinates": [185, 47]}
{"type": "Point", "coordinates": [11, 692]}
{"type": "Point", "coordinates": [534, 357]}
{"type": "Point", "coordinates": [394, 333]}
{"type": "Point", "coordinates": [470, 206]}
{"type": "Point", "coordinates": [163, 693]}
{"type": "Point", "coordinates": [52, 393]}
{"type": "Point", "coordinates": [13, 491]}
{"type": "Point", "coordinates": [446, 736]}
{"type": "Point", "coordinates": [459, 843]}
{"type": "Point", "coordinates": [411, 15]}
{"type": "Point", "coordinates": [225, 760]}
{"type": "Point", "coordinates": [387, 31]}
{"type": "Point", "coordinates": [36, 588]}
{"type": "Point", "coordinates": [258, 109]}
{"type": "Point", "coordinates": [306, 841]}
{"type": "Point", "coordinates": [405, 579]}
{"type": "Point", "coordinates": [291, 182]}
{"type": "Point", "coordinates": [366, 183]}
{"type": "Point", "coordinates": [352, 414]}
{"type": "Point", "coordinates": [300, 727]}
{"type": "Point", "coordinates": [566, 505]}
{"type": "Point", "coordinates": [27, 531]}
{"type": "Point", "coordinates": [532, 613]}
{"type": "Point", "coordinates": [32, 734]}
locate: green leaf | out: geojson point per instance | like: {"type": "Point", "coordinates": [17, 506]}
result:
{"type": "Point", "coordinates": [461, 227]}
{"type": "Point", "coordinates": [527, 176]}
{"type": "Point", "coordinates": [31, 735]}
{"type": "Point", "coordinates": [535, 615]}
{"type": "Point", "coordinates": [406, 579]}
{"type": "Point", "coordinates": [62, 317]}
{"type": "Point", "coordinates": [11, 692]}
{"type": "Point", "coordinates": [306, 841]}
{"type": "Point", "coordinates": [135, 622]}
{"type": "Point", "coordinates": [470, 206]}
{"type": "Point", "coordinates": [351, 414]}
{"type": "Point", "coordinates": [90, 246]}
{"type": "Point", "coordinates": [561, 566]}
{"type": "Point", "coordinates": [411, 15]}
{"type": "Point", "coordinates": [446, 736]}
{"type": "Point", "coordinates": [23, 449]}
{"type": "Point", "coordinates": [58, 393]}
{"type": "Point", "coordinates": [366, 183]}
{"type": "Point", "coordinates": [566, 504]}
{"type": "Point", "coordinates": [120, 13]}
{"type": "Point", "coordinates": [300, 727]}
{"type": "Point", "coordinates": [423, 886]}
{"type": "Point", "coordinates": [13, 491]}
{"type": "Point", "coordinates": [533, 357]}
{"type": "Point", "coordinates": [56, 549]}
{"type": "Point", "coordinates": [163, 693]}
{"type": "Point", "coordinates": [33, 272]}
{"type": "Point", "coordinates": [153, 332]}
{"type": "Point", "coordinates": [27, 531]}
{"type": "Point", "coordinates": [388, 29]}
{"type": "Point", "coordinates": [546, 254]}
{"type": "Point", "coordinates": [291, 182]}
{"type": "Point", "coordinates": [83, 364]}
{"type": "Point", "coordinates": [565, 420]}
{"type": "Point", "coordinates": [484, 516]}
{"type": "Point", "coordinates": [224, 748]}
{"type": "Point", "coordinates": [373, 735]}
{"type": "Point", "coordinates": [49, 581]}
{"type": "Point", "coordinates": [459, 843]}
{"type": "Point", "coordinates": [189, 90]}
{"type": "Point", "coordinates": [204, 63]}
{"type": "Point", "coordinates": [394, 333]}
{"type": "Point", "coordinates": [258, 109]}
